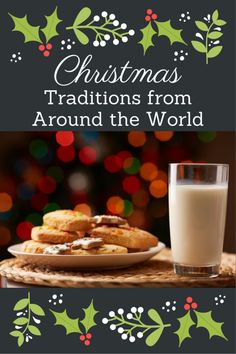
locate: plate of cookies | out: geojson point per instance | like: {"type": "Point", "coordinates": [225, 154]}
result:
{"type": "Point", "coordinates": [70, 239]}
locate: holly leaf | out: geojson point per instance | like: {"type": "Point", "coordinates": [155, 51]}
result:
{"type": "Point", "coordinates": [71, 325]}
{"type": "Point", "coordinates": [50, 30]}
{"type": "Point", "coordinates": [205, 320]}
{"type": "Point", "coordinates": [185, 323]}
{"type": "Point", "coordinates": [165, 29]}
{"type": "Point", "coordinates": [153, 338]}
{"type": "Point", "coordinates": [31, 33]}
{"type": "Point", "coordinates": [148, 33]}
{"type": "Point", "coordinates": [154, 315]}
{"type": "Point", "coordinates": [89, 315]}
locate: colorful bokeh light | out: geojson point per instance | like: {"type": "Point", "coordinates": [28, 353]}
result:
{"type": "Point", "coordinates": [137, 139]}
{"type": "Point", "coordinates": [164, 135]}
{"type": "Point", "coordinates": [87, 155]}
{"type": "Point", "coordinates": [5, 202]}
{"type": "Point", "coordinates": [65, 138]}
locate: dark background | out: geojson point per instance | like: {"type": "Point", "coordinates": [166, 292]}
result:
{"type": "Point", "coordinates": [211, 86]}
{"type": "Point", "coordinates": [101, 173]}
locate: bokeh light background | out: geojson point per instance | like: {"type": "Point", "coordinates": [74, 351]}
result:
{"type": "Point", "coordinates": [116, 173]}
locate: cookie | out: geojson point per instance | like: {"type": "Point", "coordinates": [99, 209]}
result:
{"type": "Point", "coordinates": [87, 243]}
{"type": "Point", "coordinates": [130, 237]}
{"type": "Point", "coordinates": [105, 249]}
{"type": "Point", "coordinates": [107, 220]}
{"type": "Point", "coordinates": [48, 234]}
{"type": "Point", "coordinates": [58, 249]}
{"type": "Point", "coordinates": [67, 220]}
{"type": "Point", "coordinates": [34, 246]}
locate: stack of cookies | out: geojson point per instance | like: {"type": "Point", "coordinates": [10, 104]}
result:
{"type": "Point", "coordinates": [71, 232]}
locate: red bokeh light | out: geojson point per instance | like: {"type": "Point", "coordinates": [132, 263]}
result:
{"type": "Point", "coordinates": [131, 184]}
{"type": "Point", "coordinates": [23, 230]}
{"type": "Point", "coordinates": [65, 138]}
{"type": "Point", "coordinates": [47, 184]}
{"type": "Point", "coordinates": [39, 201]}
{"type": "Point", "coordinates": [66, 153]}
{"type": "Point", "coordinates": [87, 155]}
{"type": "Point", "coordinates": [113, 163]}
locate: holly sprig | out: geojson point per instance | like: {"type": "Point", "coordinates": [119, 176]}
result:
{"type": "Point", "coordinates": [156, 28]}
{"type": "Point", "coordinates": [26, 321]}
{"type": "Point", "coordinates": [38, 34]}
{"type": "Point", "coordinates": [133, 325]}
{"type": "Point", "coordinates": [210, 31]}
{"type": "Point", "coordinates": [74, 325]}
{"type": "Point", "coordinates": [104, 28]}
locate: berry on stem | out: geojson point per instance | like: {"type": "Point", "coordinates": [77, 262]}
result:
{"type": "Point", "coordinates": [87, 342]}
{"type": "Point", "coordinates": [41, 47]}
{"type": "Point", "coordinates": [187, 307]}
{"type": "Point", "coordinates": [46, 53]}
{"type": "Point", "coordinates": [194, 305]}
{"type": "Point", "coordinates": [89, 335]}
{"type": "Point", "coordinates": [149, 11]}
{"type": "Point", "coordinates": [154, 16]}
{"type": "Point", "coordinates": [49, 46]}
{"type": "Point", "coordinates": [82, 338]}
{"type": "Point", "coordinates": [189, 299]}
{"type": "Point", "coordinates": [147, 18]}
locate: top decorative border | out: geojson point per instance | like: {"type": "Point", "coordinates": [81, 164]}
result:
{"type": "Point", "coordinates": [106, 27]}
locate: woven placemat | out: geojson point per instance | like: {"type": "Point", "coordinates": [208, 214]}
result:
{"type": "Point", "coordinates": [155, 273]}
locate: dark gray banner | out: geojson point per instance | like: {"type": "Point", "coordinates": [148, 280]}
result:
{"type": "Point", "coordinates": [106, 65]}
{"type": "Point", "coordinates": [117, 321]}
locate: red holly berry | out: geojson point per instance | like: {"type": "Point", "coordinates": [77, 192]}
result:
{"type": "Point", "coordinates": [46, 53]}
{"type": "Point", "coordinates": [89, 335]}
{"type": "Point", "coordinates": [187, 307]}
{"type": "Point", "coordinates": [87, 342]}
{"type": "Point", "coordinates": [49, 46]}
{"type": "Point", "coordinates": [41, 47]}
{"type": "Point", "coordinates": [189, 299]}
{"type": "Point", "coordinates": [154, 16]}
{"type": "Point", "coordinates": [82, 338]}
{"type": "Point", "coordinates": [149, 11]}
{"type": "Point", "coordinates": [194, 305]}
{"type": "Point", "coordinates": [147, 18]}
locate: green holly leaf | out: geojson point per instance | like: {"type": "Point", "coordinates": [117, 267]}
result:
{"type": "Point", "coordinates": [185, 323]}
{"type": "Point", "coordinates": [153, 338]}
{"type": "Point", "coordinates": [50, 30]}
{"type": "Point", "coordinates": [21, 304]}
{"type": "Point", "coordinates": [31, 33]}
{"type": "Point", "coordinates": [37, 310]}
{"type": "Point", "coordinates": [82, 16]}
{"type": "Point", "coordinates": [148, 33]}
{"type": "Point", "coordinates": [205, 320]}
{"type": "Point", "coordinates": [89, 315]}
{"type": "Point", "coordinates": [81, 36]}
{"type": "Point", "coordinates": [71, 325]}
{"type": "Point", "coordinates": [154, 315]}
{"type": "Point", "coordinates": [165, 29]}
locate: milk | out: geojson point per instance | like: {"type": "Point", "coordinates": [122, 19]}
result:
{"type": "Point", "coordinates": [197, 221]}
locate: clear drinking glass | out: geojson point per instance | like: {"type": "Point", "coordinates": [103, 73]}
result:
{"type": "Point", "coordinates": [197, 212]}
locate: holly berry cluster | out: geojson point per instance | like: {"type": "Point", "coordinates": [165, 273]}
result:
{"type": "Point", "coordinates": [45, 49]}
{"type": "Point", "coordinates": [86, 338]}
{"type": "Point", "coordinates": [150, 15]}
{"type": "Point", "coordinates": [190, 304]}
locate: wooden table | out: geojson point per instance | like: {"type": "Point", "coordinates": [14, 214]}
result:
{"type": "Point", "coordinates": [155, 273]}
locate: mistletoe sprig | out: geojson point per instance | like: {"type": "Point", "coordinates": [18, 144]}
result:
{"type": "Point", "coordinates": [27, 318]}
{"type": "Point", "coordinates": [42, 35]}
{"type": "Point", "coordinates": [104, 28]}
{"type": "Point", "coordinates": [74, 325]}
{"type": "Point", "coordinates": [133, 327]}
{"type": "Point", "coordinates": [156, 28]}
{"type": "Point", "coordinates": [211, 32]}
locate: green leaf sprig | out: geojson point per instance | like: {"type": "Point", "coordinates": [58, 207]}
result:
{"type": "Point", "coordinates": [105, 28]}
{"type": "Point", "coordinates": [25, 323]}
{"type": "Point", "coordinates": [211, 31]}
{"type": "Point", "coordinates": [133, 326]}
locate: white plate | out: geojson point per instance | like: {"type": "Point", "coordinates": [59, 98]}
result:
{"type": "Point", "coordinates": [105, 261]}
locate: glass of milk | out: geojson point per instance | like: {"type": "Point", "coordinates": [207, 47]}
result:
{"type": "Point", "coordinates": [197, 212]}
